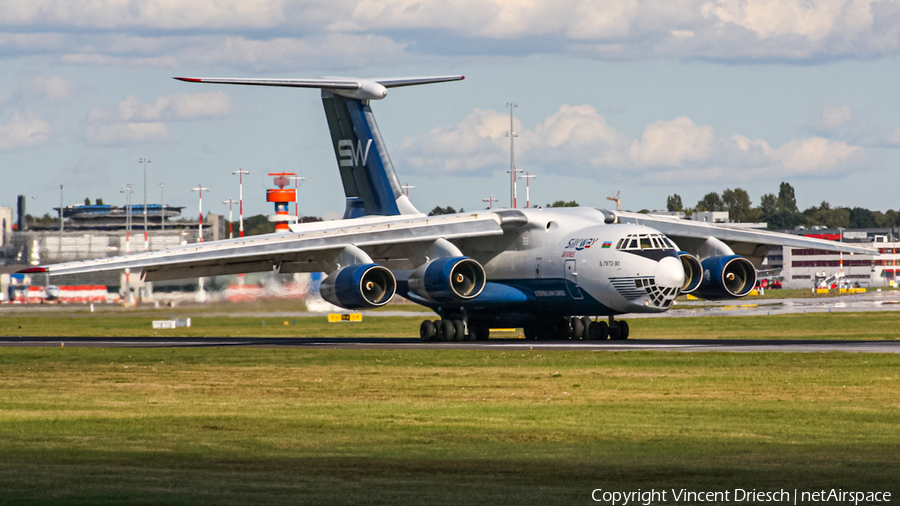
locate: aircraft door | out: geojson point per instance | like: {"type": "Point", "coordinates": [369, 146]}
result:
{"type": "Point", "coordinates": [572, 280]}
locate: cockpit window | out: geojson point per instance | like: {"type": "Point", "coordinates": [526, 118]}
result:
{"type": "Point", "coordinates": [645, 242]}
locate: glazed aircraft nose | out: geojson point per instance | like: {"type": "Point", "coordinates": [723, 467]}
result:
{"type": "Point", "coordinates": [670, 273]}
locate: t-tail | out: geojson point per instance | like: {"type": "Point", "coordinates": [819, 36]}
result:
{"type": "Point", "coordinates": [370, 183]}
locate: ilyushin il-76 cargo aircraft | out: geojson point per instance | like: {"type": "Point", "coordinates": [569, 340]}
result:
{"type": "Point", "coordinates": [563, 273]}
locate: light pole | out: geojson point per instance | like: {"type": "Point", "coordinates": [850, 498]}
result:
{"type": "Point", "coordinates": [127, 191]}
{"type": "Point", "coordinates": [527, 177]}
{"type": "Point", "coordinates": [146, 236]}
{"type": "Point", "coordinates": [407, 188]}
{"type": "Point", "coordinates": [230, 203]}
{"type": "Point", "coordinates": [491, 199]}
{"type": "Point", "coordinates": [59, 248]}
{"type": "Point", "coordinates": [241, 197]}
{"type": "Point", "coordinates": [297, 180]}
{"type": "Point", "coordinates": [200, 189]}
{"type": "Point", "coordinates": [60, 210]}
{"type": "Point", "coordinates": [162, 207]}
{"type": "Point", "coordinates": [512, 160]}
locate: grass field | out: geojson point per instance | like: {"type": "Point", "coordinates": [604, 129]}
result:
{"type": "Point", "coordinates": [238, 426]}
{"type": "Point", "coordinates": [867, 325]}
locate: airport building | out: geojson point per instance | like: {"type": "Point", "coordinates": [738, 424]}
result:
{"type": "Point", "coordinates": [97, 231]}
{"type": "Point", "coordinates": [805, 268]}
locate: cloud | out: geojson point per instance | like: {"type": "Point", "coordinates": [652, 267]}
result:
{"type": "Point", "coordinates": [43, 87]}
{"type": "Point", "coordinates": [841, 122]}
{"type": "Point", "coordinates": [23, 131]}
{"type": "Point", "coordinates": [576, 140]}
{"type": "Point", "coordinates": [132, 120]}
{"type": "Point", "coordinates": [280, 34]}
{"type": "Point", "coordinates": [834, 116]}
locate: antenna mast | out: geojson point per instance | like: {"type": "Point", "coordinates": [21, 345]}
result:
{"type": "Point", "coordinates": [615, 198]}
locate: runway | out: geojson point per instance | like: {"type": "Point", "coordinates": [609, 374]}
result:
{"type": "Point", "coordinates": [680, 345]}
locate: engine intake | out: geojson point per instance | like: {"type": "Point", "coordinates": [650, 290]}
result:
{"type": "Point", "coordinates": [727, 277]}
{"type": "Point", "coordinates": [359, 286]}
{"type": "Point", "coordinates": [448, 279]}
{"type": "Point", "coordinates": [693, 272]}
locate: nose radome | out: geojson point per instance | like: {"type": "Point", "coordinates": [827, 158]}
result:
{"type": "Point", "coordinates": [670, 273]}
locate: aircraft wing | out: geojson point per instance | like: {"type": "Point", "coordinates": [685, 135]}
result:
{"type": "Point", "coordinates": [400, 242]}
{"type": "Point", "coordinates": [751, 243]}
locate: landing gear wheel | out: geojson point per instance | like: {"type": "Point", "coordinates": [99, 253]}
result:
{"type": "Point", "coordinates": [479, 332]}
{"type": "Point", "coordinates": [577, 328]}
{"type": "Point", "coordinates": [427, 332]}
{"type": "Point", "coordinates": [586, 321]}
{"type": "Point", "coordinates": [459, 330]}
{"type": "Point", "coordinates": [448, 331]}
{"type": "Point", "coordinates": [598, 331]}
{"type": "Point", "coordinates": [531, 332]}
{"type": "Point", "coordinates": [619, 331]}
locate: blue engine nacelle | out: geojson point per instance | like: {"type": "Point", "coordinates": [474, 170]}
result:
{"type": "Point", "coordinates": [726, 277]}
{"type": "Point", "coordinates": [359, 286]}
{"type": "Point", "coordinates": [693, 272]}
{"type": "Point", "coordinates": [448, 280]}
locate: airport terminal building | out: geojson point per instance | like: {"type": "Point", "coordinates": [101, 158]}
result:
{"type": "Point", "coordinates": [801, 268]}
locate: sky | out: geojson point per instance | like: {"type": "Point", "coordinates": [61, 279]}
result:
{"type": "Point", "coordinates": [650, 98]}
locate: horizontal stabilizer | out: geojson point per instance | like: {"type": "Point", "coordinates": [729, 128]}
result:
{"type": "Point", "coordinates": [351, 87]}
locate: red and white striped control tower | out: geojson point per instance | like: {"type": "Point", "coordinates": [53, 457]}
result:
{"type": "Point", "coordinates": [281, 197]}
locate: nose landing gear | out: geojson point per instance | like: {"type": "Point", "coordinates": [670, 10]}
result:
{"type": "Point", "coordinates": [618, 330]}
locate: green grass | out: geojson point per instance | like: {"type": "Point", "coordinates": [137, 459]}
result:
{"type": "Point", "coordinates": [883, 325]}
{"type": "Point", "coordinates": [237, 426]}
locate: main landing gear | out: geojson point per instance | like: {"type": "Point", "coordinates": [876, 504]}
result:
{"type": "Point", "coordinates": [453, 330]}
{"type": "Point", "coordinates": [578, 327]}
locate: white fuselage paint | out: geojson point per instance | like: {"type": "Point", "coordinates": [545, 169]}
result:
{"type": "Point", "coordinates": [555, 241]}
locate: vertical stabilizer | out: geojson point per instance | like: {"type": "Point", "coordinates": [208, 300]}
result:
{"type": "Point", "coordinates": [370, 183]}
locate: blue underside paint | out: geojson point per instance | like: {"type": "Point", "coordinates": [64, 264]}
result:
{"type": "Point", "coordinates": [517, 302]}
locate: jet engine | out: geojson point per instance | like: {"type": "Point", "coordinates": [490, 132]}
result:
{"type": "Point", "coordinates": [726, 277]}
{"type": "Point", "coordinates": [693, 272]}
{"type": "Point", "coordinates": [359, 286]}
{"type": "Point", "coordinates": [448, 279]}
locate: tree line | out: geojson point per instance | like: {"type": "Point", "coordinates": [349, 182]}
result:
{"type": "Point", "coordinates": [781, 213]}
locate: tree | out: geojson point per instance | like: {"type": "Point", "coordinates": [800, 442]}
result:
{"type": "Point", "coordinates": [823, 215]}
{"type": "Point", "coordinates": [784, 220]}
{"type": "Point", "coordinates": [768, 204]}
{"type": "Point", "coordinates": [258, 224]}
{"type": "Point", "coordinates": [99, 202]}
{"type": "Point", "coordinates": [673, 203]}
{"type": "Point", "coordinates": [441, 210]}
{"type": "Point", "coordinates": [737, 203]}
{"type": "Point", "coordinates": [787, 201]}
{"type": "Point", "coordinates": [711, 202]}
{"type": "Point", "coordinates": [861, 218]}
{"type": "Point", "coordinates": [87, 201]}
{"type": "Point", "coordinates": [563, 203]}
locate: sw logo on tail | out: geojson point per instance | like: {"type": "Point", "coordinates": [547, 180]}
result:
{"type": "Point", "coordinates": [350, 157]}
